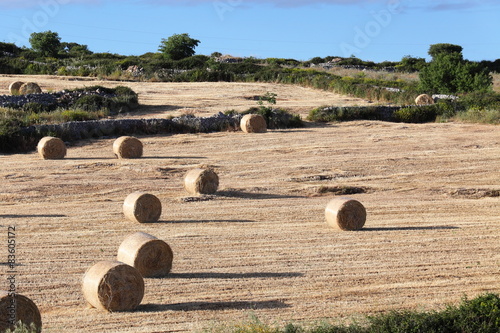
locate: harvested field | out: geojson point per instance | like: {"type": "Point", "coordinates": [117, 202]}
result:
{"type": "Point", "coordinates": [260, 245]}
{"type": "Point", "coordinates": [160, 100]}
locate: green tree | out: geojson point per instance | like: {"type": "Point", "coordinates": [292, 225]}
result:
{"type": "Point", "coordinates": [449, 73]}
{"type": "Point", "coordinates": [436, 49]}
{"type": "Point", "coordinates": [410, 64]}
{"type": "Point", "coordinates": [178, 46]}
{"type": "Point", "coordinates": [75, 49]}
{"type": "Point", "coordinates": [47, 44]}
{"type": "Point", "coordinates": [317, 60]}
{"type": "Point", "coordinates": [9, 49]}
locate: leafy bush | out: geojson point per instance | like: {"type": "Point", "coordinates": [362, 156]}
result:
{"type": "Point", "coordinates": [333, 113]}
{"type": "Point", "coordinates": [475, 107]}
{"type": "Point", "coordinates": [9, 124]}
{"type": "Point", "coordinates": [23, 328]}
{"type": "Point", "coordinates": [88, 107]}
{"type": "Point", "coordinates": [479, 315]}
{"type": "Point", "coordinates": [76, 115]}
{"type": "Point", "coordinates": [474, 115]}
{"type": "Point", "coordinates": [122, 91]}
{"type": "Point", "coordinates": [242, 68]}
{"type": "Point", "coordinates": [481, 100]}
{"type": "Point", "coordinates": [36, 107]}
{"type": "Point", "coordinates": [275, 118]}
{"type": "Point", "coordinates": [11, 66]}
{"type": "Point", "coordinates": [197, 61]}
{"type": "Point", "coordinates": [449, 73]}
{"type": "Point", "coordinates": [92, 103]}
{"type": "Point", "coordinates": [124, 99]}
{"type": "Point", "coordinates": [416, 114]}
{"type": "Point", "coordinates": [411, 64]}
{"type": "Point", "coordinates": [178, 46]}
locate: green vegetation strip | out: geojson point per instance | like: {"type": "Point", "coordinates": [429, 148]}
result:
{"type": "Point", "coordinates": [479, 315]}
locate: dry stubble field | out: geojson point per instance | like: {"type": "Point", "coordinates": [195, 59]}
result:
{"type": "Point", "coordinates": [261, 246]}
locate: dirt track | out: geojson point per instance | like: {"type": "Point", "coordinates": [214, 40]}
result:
{"type": "Point", "coordinates": [261, 245]}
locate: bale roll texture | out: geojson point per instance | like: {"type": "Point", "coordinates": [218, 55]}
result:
{"type": "Point", "coordinates": [18, 308]}
{"type": "Point", "coordinates": [201, 181]}
{"type": "Point", "coordinates": [142, 207]}
{"type": "Point", "coordinates": [253, 123]}
{"type": "Point", "coordinates": [50, 148]}
{"type": "Point", "coordinates": [424, 99]}
{"type": "Point", "coordinates": [127, 147]}
{"type": "Point", "coordinates": [30, 88]}
{"type": "Point", "coordinates": [345, 214]}
{"type": "Point", "coordinates": [151, 256]}
{"type": "Point", "coordinates": [113, 286]}
{"type": "Point", "coordinates": [14, 87]}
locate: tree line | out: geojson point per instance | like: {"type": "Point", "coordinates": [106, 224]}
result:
{"type": "Point", "coordinates": [447, 73]}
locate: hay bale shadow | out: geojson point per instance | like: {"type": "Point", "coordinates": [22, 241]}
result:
{"type": "Point", "coordinates": [233, 193]}
{"type": "Point", "coordinates": [226, 276]}
{"type": "Point", "coordinates": [411, 228]}
{"type": "Point", "coordinates": [11, 216]}
{"type": "Point", "coordinates": [214, 306]}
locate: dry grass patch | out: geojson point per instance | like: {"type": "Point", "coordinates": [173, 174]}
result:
{"type": "Point", "coordinates": [475, 193]}
{"type": "Point", "coordinates": [341, 190]}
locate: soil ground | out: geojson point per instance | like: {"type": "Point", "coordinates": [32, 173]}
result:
{"type": "Point", "coordinates": [261, 246]}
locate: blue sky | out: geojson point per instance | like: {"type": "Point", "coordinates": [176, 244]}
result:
{"type": "Point", "coordinates": [300, 29]}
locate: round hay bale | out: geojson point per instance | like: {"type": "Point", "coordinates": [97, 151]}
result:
{"type": "Point", "coordinates": [424, 99]}
{"type": "Point", "coordinates": [113, 286]}
{"type": "Point", "coordinates": [14, 87]}
{"type": "Point", "coordinates": [345, 214]}
{"type": "Point", "coordinates": [127, 147]}
{"type": "Point", "coordinates": [201, 181]}
{"type": "Point", "coordinates": [50, 148]}
{"type": "Point", "coordinates": [151, 256]}
{"type": "Point", "coordinates": [15, 308]}
{"type": "Point", "coordinates": [30, 88]}
{"type": "Point", "coordinates": [253, 123]}
{"type": "Point", "coordinates": [142, 207]}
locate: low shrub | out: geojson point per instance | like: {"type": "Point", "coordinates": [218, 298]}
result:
{"type": "Point", "coordinates": [481, 100]}
{"type": "Point", "coordinates": [476, 115]}
{"type": "Point", "coordinates": [416, 114]}
{"type": "Point", "coordinates": [92, 103]}
{"type": "Point", "coordinates": [23, 328]}
{"type": "Point", "coordinates": [76, 115]}
{"type": "Point", "coordinates": [37, 107]}
{"type": "Point", "coordinates": [335, 114]}
{"type": "Point", "coordinates": [479, 315]}
{"type": "Point", "coordinates": [275, 118]}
